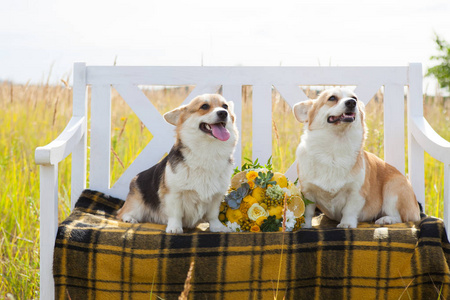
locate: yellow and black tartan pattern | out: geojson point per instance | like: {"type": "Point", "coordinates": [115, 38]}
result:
{"type": "Point", "coordinates": [98, 257]}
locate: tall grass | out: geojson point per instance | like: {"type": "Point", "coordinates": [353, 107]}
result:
{"type": "Point", "coordinates": [33, 115]}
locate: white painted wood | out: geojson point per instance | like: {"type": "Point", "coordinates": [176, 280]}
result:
{"type": "Point", "coordinates": [415, 93]}
{"type": "Point", "coordinates": [262, 122]}
{"type": "Point", "coordinates": [394, 125]}
{"type": "Point", "coordinates": [367, 90]}
{"type": "Point", "coordinates": [291, 172]}
{"type": "Point", "coordinates": [100, 138]}
{"type": "Point", "coordinates": [234, 93]}
{"type": "Point", "coordinates": [144, 109]}
{"type": "Point", "coordinates": [447, 199]}
{"type": "Point", "coordinates": [246, 75]}
{"type": "Point", "coordinates": [48, 227]}
{"type": "Point", "coordinates": [292, 94]}
{"type": "Point", "coordinates": [63, 145]}
{"type": "Point", "coordinates": [79, 154]}
{"type": "Point", "coordinates": [416, 168]}
{"type": "Point", "coordinates": [430, 140]}
{"type": "Point", "coordinates": [200, 90]}
{"type": "Point", "coordinates": [79, 90]}
{"type": "Point", "coordinates": [416, 159]}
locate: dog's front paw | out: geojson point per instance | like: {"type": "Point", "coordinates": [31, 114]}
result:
{"type": "Point", "coordinates": [218, 227]}
{"type": "Point", "coordinates": [129, 219]}
{"type": "Point", "coordinates": [174, 229]}
{"type": "Point", "coordinates": [346, 225]}
{"type": "Point", "coordinates": [174, 225]}
{"type": "Point", "coordinates": [387, 220]}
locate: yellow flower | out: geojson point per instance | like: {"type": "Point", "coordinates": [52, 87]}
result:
{"type": "Point", "coordinates": [260, 220]}
{"type": "Point", "coordinates": [258, 193]}
{"type": "Point", "coordinates": [251, 175]}
{"type": "Point", "coordinates": [276, 211]}
{"type": "Point", "coordinates": [251, 184]}
{"type": "Point", "coordinates": [250, 200]}
{"type": "Point", "coordinates": [255, 228]}
{"type": "Point", "coordinates": [280, 179]}
{"type": "Point", "coordinates": [233, 215]}
{"type": "Point", "coordinates": [256, 211]}
{"type": "Point", "coordinates": [221, 217]}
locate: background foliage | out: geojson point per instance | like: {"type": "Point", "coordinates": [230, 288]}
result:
{"type": "Point", "coordinates": [442, 70]}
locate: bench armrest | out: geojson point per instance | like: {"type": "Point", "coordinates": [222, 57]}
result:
{"type": "Point", "coordinates": [63, 145]}
{"type": "Point", "coordinates": [430, 140]}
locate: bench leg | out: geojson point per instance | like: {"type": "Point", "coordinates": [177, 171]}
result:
{"type": "Point", "coordinates": [49, 226]}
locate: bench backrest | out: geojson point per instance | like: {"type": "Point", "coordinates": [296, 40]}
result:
{"type": "Point", "coordinates": [286, 80]}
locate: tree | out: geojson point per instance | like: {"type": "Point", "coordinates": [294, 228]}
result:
{"type": "Point", "coordinates": [442, 70]}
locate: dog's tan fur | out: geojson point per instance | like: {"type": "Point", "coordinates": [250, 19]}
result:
{"type": "Point", "coordinates": [189, 184]}
{"type": "Point", "coordinates": [347, 183]}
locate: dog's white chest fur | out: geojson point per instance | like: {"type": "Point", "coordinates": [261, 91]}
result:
{"type": "Point", "coordinates": [327, 163]}
{"type": "Point", "coordinates": [206, 177]}
{"type": "Point", "coordinates": [326, 168]}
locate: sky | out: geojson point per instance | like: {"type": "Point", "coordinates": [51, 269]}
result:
{"type": "Point", "coordinates": [41, 39]}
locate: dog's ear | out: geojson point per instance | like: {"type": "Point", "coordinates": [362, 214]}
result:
{"type": "Point", "coordinates": [173, 116]}
{"type": "Point", "coordinates": [301, 110]}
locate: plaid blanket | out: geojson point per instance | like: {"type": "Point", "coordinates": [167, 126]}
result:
{"type": "Point", "coordinates": [99, 257]}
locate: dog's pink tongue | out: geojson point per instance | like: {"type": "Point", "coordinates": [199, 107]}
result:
{"type": "Point", "coordinates": [220, 132]}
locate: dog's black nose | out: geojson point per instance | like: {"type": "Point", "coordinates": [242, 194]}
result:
{"type": "Point", "coordinates": [222, 114]}
{"type": "Point", "coordinates": [350, 103]}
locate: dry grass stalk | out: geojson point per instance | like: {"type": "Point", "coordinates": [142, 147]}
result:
{"type": "Point", "coordinates": [117, 157]}
{"type": "Point", "coordinates": [54, 112]}
{"type": "Point", "coordinates": [187, 284]}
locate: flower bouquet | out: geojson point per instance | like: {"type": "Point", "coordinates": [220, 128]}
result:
{"type": "Point", "coordinates": [262, 200]}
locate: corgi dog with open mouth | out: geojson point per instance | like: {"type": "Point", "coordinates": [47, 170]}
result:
{"type": "Point", "coordinates": [188, 185]}
{"type": "Point", "coordinates": [347, 183]}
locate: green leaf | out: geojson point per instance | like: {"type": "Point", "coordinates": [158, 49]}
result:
{"type": "Point", "coordinates": [442, 70]}
{"type": "Point", "coordinates": [306, 200]}
{"type": "Point", "coordinates": [271, 224]}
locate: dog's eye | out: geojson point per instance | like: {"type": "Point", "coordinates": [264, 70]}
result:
{"type": "Point", "coordinates": [225, 106]}
{"type": "Point", "coordinates": [332, 98]}
{"type": "Point", "coordinates": [354, 97]}
{"type": "Point", "coordinates": [204, 106]}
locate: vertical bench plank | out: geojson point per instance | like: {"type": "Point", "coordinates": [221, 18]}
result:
{"type": "Point", "coordinates": [79, 153]}
{"type": "Point", "coordinates": [100, 138]}
{"type": "Point", "coordinates": [446, 198]}
{"type": "Point", "coordinates": [234, 93]}
{"type": "Point", "coordinates": [262, 122]}
{"type": "Point", "coordinates": [49, 226]}
{"type": "Point", "coordinates": [394, 126]}
{"type": "Point", "coordinates": [416, 160]}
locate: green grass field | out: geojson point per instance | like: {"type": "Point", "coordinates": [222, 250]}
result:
{"type": "Point", "coordinates": [33, 115]}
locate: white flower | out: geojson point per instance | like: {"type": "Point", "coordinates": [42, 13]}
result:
{"type": "Point", "coordinates": [290, 220]}
{"type": "Point", "coordinates": [287, 191]}
{"type": "Point", "coordinates": [256, 211]}
{"type": "Point", "coordinates": [235, 227]}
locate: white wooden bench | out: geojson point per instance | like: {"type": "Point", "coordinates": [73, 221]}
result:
{"type": "Point", "coordinates": [100, 79]}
